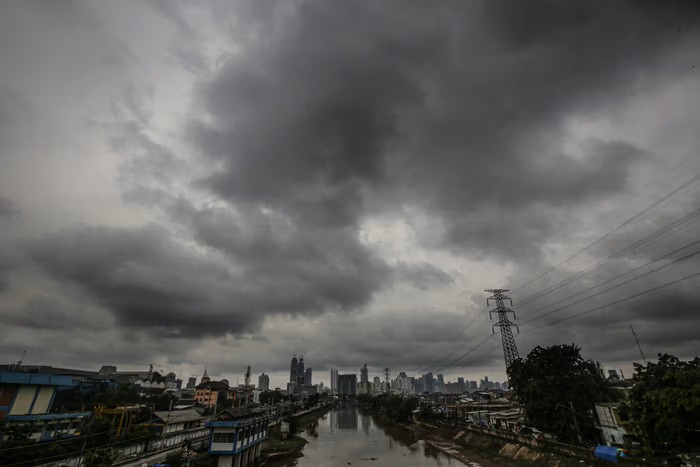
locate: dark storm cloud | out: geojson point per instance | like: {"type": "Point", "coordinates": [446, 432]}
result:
{"type": "Point", "coordinates": [146, 278]}
{"type": "Point", "coordinates": [458, 107]}
{"type": "Point", "coordinates": [423, 276]}
{"type": "Point", "coordinates": [316, 268]}
{"type": "Point", "coordinates": [8, 209]}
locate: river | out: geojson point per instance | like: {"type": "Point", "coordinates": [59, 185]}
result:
{"type": "Point", "coordinates": [344, 436]}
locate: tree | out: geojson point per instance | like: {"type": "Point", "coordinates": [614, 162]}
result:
{"type": "Point", "coordinates": [552, 380]}
{"type": "Point", "coordinates": [102, 457]}
{"type": "Point", "coordinates": [664, 403]}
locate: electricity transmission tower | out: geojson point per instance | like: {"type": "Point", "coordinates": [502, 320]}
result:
{"type": "Point", "coordinates": [510, 350]}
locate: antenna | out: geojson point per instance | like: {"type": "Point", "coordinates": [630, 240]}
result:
{"type": "Point", "coordinates": [638, 346]}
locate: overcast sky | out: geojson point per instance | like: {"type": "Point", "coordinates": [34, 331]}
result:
{"type": "Point", "coordinates": [228, 183]}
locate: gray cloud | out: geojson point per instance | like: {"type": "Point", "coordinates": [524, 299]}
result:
{"type": "Point", "coordinates": [265, 204]}
{"type": "Point", "coordinates": [148, 278]}
{"type": "Point", "coordinates": [8, 209]}
{"type": "Point", "coordinates": [423, 276]}
{"type": "Point", "coordinates": [336, 103]}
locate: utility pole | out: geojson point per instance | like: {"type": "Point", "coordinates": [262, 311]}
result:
{"type": "Point", "coordinates": [386, 375]}
{"type": "Point", "coordinates": [578, 432]}
{"type": "Point", "coordinates": [510, 350]}
{"type": "Point", "coordinates": [638, 346]}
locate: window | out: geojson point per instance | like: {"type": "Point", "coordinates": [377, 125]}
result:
{"type": "Point", "coordinates": [222, 438]}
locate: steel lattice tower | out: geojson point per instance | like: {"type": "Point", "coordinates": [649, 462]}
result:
{"type": "Point", "coordinates": [510, 350]}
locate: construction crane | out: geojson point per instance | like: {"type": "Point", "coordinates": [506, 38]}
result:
{"type": "Point", "coordinates": [246, 382]}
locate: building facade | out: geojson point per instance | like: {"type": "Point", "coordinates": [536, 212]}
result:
{"type": "Point", "coordinates": [334, 381]}
{"type": "Point", "coordinates": [264, 382]}
{"type": "Point", "coordinates": [27, 399]}
{"type": "Point", "coordinates": [347, 385]}
{"type": "Point", "coordinates": [210, 393]}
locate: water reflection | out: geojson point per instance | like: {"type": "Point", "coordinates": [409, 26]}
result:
{"type": "Point", "coordinates": [347, 437]}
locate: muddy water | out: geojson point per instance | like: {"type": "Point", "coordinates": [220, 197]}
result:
{"type": "Point", "coordinates": [346, 437]}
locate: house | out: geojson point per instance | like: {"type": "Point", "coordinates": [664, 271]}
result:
{"type": "Point", "coordinates": [26, 399]}
{"type": "Point", "coordinates": [610, 423]}
{"type": "Point", "coordinates": [179, 426]}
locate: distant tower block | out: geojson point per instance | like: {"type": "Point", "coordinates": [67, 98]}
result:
{"type": "Point", "coordinates": [510, 350]}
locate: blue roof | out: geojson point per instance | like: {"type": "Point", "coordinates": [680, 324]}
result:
{"type": "Point", "coordinates": [18, 377]}
{"type": "Point", "coordinates": [48, 416]}
{"type": "Point", "coordinates": [607, 453]}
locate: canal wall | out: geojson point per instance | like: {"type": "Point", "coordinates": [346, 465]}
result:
{"type": "Point", "coordinates": [515, 446]}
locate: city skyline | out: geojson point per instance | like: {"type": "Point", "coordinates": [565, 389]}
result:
{"type": "Point", "coordinates": [173, 192]}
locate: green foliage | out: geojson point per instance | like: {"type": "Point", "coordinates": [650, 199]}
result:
{"type": "Point", "coordinates": [122, 395]}
{"type": "Point", "coordinates": [548, 380]}
{"type": "Point", "coordinates": [176, 458]}
{"type": "Point", "coordinates": [394, 407]}
{"type": "Point", "coordinates": [664, 404]}
{"type": "Point", "coordinates": [364, 398]}
{"type": "Point", "coordinates": [271, 397]}
{"type": "Point", "coordinates": [311, 401]}
{"type": "Point", "coordinates": [102, 457]}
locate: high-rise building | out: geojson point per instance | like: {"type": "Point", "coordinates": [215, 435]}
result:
{"type": "Point", "coordinates": [263, 382]}
{"type": "Point", "coordinates": [300, 373]}
{"type": "Point", "coordinates": [428, 383]}
{"type": "Point", "coordinates": [440, 383]}
{"type": "Point", "coordinates": [293, 370]}
{"type": "Point", "coordinates": [347, 385]}
{"type": "Point", "coordinates": [364, 378]}
{"type": "Point", "coordinates": [462, 385]}
{"type": "Point", "coordinates": [307, 377]}
{"type": "Point", "coordinates": [191, 382]}
{"type": "Point", "coordinates": [334, 381]}
{"type": "Point", "coordinates": [473, 386]}
{"type": "Point", "coordinates": [377, 384]}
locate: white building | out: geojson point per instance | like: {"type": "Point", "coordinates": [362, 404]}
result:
{"type": "Point", "coordinates": [609, 423]}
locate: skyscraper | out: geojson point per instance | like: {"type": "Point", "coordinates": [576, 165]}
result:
{"type": "Point", "coordinates": [347, 385]}
{"type": "Point", "coordinates": [462, 385]}
{"type": "Point", "coordinates": [191, 382]}
{"type": "Point", "coordinates": [440, 383]}
{"type": "Point", "coordinates": [307, 377]}
{"type": "Point", "coordinates": [334, 381]}
{"type": "Point", "coordinates": [293, 370]}
{"type": "Point", "coordinates": [300, 373]}
{"type": "Point", "coordinates": [428, 383]}
{"type": "Point", "coordinates": [263, 382]}
{"type": "Point", "coordinates": [363, 374]}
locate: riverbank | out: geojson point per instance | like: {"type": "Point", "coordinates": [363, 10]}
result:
{"type": "Point", "coordinates": [470, 446]}
{"type": "Point", "coordinates": [277, 449]}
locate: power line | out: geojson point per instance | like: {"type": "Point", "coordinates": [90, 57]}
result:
{"type": "Point", "coordinates": [616, 302]}
{"type": "Point", "coordinates": [666, 255]}
{"type": "Point", "coordinates": [660, 233]}
{"type": "Point", "coordinates": [468, 352]}
{"type": "Point", "coordinates": [614, 230]}
{"type": "Point", "coordinates": [664, 266]}
{"type": "Point", "coordinates": [449, 354]}
{"type": "Point", "coordinates": [53, 443]}
{"type": "Point", "coordinates": [69, 454]}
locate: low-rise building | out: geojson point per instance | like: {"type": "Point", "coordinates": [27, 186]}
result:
{"type": "Point", "coordinates": [27, 399]}
{"type": "Point", "coordinates": [179, 426]}
{"type": "Point", "coordinates": [210, 393]}
{"type": "Point", "coordinates": [610, 424]}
